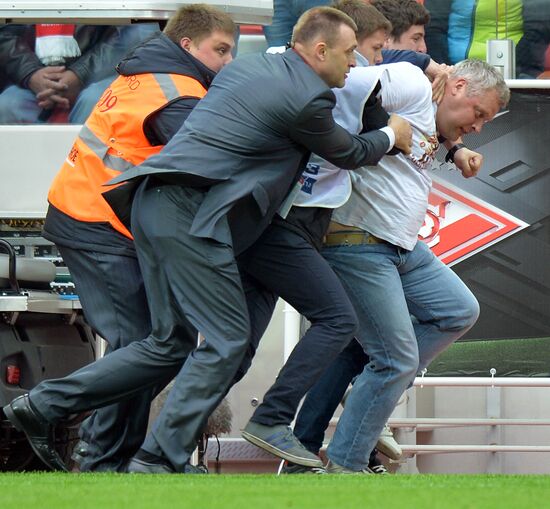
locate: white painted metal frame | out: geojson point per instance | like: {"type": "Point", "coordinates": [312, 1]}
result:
{"type": "Point", "coordinates": [430, 423]}
{"type": "Point", "coordinates": [120, 12]}
{"type": "Point", "coordinates": [415, 424]}
{"type": "Point", "coordinates": [479, 381]}
{"type": "Point", "coordinates": [410, 450]}
{"type": "Point", "coordinates": [494, 386]}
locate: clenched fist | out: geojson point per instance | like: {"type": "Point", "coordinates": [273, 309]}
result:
{"type": "Point", "coordinates": [403, 133]}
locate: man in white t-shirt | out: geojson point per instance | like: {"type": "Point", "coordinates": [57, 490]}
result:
{"type": "Point", "coordinates": [373, 247]}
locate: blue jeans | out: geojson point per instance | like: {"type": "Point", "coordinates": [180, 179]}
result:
{"type": "Point", "coordinates": [18, 105]}
{"type": "Point", "coordinates": [386, 285]}
{"type": "Point", "coordinates": [323, 398]}
{"type": "Point", "coordinates": [285, 15]}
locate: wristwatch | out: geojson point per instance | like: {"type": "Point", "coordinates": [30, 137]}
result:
{"type": "Point", "coordinates": [450, 157]}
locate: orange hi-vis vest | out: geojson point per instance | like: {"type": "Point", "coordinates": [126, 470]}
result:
{"type": "Point", "coordinates": [112, 140]}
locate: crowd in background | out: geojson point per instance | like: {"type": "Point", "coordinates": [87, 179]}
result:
{"type": "Point", "coordinates": [57, 73]}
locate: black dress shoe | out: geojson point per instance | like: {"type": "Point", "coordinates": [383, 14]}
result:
{"type": "Point", "coordinates": [80, 452]}
{"type": "Point", "coordinates": [138, 466]}
{"type": "Point", "coordinates": [38, 431]}
{"type": "Point", "coordinates": [192, 469]}
{"type": "Point", "coordinates": [141, 466]}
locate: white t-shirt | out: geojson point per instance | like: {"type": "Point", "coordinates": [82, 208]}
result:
{"type": "Point", "coordinates": [389, 200]}
{"type": "Point", "coordinates": [324, 184]}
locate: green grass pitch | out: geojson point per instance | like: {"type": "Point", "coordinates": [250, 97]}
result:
{"type": "Point", "coordinates": [98, 491]}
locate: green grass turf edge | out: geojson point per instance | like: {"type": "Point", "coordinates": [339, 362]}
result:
{"type": "Point", "coordinates": [74, 491]}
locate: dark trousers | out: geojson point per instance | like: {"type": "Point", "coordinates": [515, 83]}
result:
{"type": "Point", "coordinates": [191, 283]}
{"type": "Point", "coordinates": [283, 263]}
{"type": "Point", "coordinates": [324, 397]}
{"type": "Point", "coordinates": [112, 294]}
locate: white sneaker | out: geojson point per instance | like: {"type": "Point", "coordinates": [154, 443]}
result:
{"type": "Point", "coordinates": [387, 445]}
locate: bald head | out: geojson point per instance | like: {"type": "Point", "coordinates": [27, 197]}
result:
{"type": "Point", "coordinates": [320, 23]}
{"type": "Point", "coordinates": [325, 38]}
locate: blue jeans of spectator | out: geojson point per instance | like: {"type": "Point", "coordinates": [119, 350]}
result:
{"type": "Point", "coordinates": [285, 15]}
{"type": "Point", "coordinates": [386, 285]}
{"type": "Point", "coordinates": [18, 105]}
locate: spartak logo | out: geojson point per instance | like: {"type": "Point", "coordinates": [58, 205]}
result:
{"type": "Point", "coordinates": [458, 225]}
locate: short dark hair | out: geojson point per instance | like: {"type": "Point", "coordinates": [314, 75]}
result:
{"type": "Point", "coordinates": [324, 21]}
{"type": "Point", "coordinates": [403, 14]}
{"type": "Point", "coordinates": [198, 21]}
{"type": "Point", "coordinates": [367, 18]}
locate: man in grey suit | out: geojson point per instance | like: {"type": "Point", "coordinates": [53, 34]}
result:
{"type": "Point", "coordinates": [207, 196]}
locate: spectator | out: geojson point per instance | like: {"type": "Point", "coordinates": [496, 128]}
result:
{"type": "Point", "coordinates": [408, 19]}
{"type": "Point", "coordinates": [60, 67]}
{"type": "Point", "coordinates": [532, 48]}
{"type": "Point", "coordinates": [459, 30]}
{"type": "Point", "coordinates": [373, 246]}
{"type": "Point", "coordinates": [285, 15]}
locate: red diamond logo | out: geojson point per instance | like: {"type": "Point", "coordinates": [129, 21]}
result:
{"type": "Point", "coordinates": [459, 225]}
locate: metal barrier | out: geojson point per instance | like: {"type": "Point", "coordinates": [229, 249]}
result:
{"type": "Point", "coordinates": [493, 385]}
{"type": "Point", "coordinates": [117, 12]}
{"type": "Point", "coordinates": [408, 426]}
{"type": "Point", "coordinates": [478, 381]}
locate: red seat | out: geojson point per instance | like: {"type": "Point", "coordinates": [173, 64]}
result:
{"type": "Point", "coordinates": [251, 30]}
{"type": "Point", "coordinates": [59, 116]}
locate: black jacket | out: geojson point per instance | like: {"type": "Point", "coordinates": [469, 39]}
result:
{"type": "Point", "coordinates": [156, 55]}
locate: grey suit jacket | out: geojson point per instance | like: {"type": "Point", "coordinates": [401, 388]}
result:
{"type": "Point", "coordinates": [249, 140]}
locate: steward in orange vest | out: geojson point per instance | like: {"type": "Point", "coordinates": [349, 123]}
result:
{"type": "Point", "coordinates": [160, 83]}
{"type": "Point", "coordinates": [135, 117]}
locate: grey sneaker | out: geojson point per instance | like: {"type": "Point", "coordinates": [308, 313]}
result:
{"type": "Point", "coordinates": [334, 468]}
{"type": "Point", "coordinates": [292, 468]}
{"type": "Point", "coordinates": [280, 441]}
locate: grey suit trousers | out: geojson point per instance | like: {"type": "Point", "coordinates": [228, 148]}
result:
{"type": "Point", "coordinates": [191, 283]}
{"type": "Point", "coordinates": [111, 290]}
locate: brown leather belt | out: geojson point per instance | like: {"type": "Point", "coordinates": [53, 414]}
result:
{"type": "Point", "coordinates": [351, 238]}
